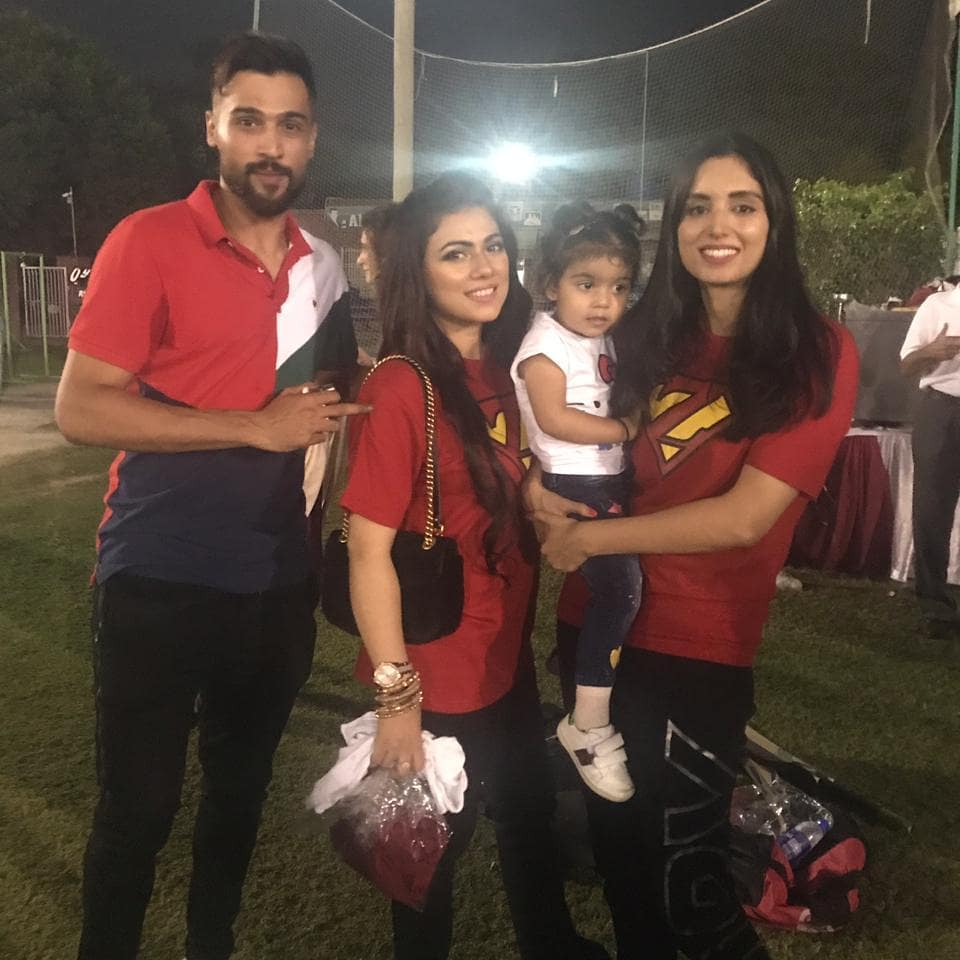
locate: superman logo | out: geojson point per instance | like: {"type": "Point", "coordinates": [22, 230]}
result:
{"type": "Point", "coordinates": [499, 433]}
{"type": "Point", "coordinates": [607, 368]}
{"type": "Point", "coordinates": [684, 417]}
{"type": "Point", "coordinates": [505, 427]}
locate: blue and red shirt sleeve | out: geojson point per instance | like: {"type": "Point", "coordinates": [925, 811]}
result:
{"type": "Point", "coordinates": [124, 311]}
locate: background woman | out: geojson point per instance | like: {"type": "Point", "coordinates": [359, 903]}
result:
{"type": "Point", "coordinates": [450, 299]}
{"type": "Point", "coordinates": [750, 392]}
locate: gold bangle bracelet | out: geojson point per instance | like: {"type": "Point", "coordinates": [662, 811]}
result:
{"type": "Point", "coordinates": [385, 713]}
{"type": "Point", "coordinates": [400, 701]}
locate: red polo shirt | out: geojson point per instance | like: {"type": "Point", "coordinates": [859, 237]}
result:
{"type": "Point", "coordinates": [197, 319]}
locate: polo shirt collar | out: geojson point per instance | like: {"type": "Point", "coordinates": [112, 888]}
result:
{"type": "Point", "coordinates": [211, 226]}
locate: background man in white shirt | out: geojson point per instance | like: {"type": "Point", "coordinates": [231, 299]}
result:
{"type": "Point", "coordinates": [930, 351]}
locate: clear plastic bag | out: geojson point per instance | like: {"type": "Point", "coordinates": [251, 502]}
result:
{"type": "Point", "coordinates": [390, 831]}
{"type": "Point", "coordinates": [768, 804]}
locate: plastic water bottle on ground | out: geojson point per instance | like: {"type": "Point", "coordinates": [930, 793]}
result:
{"type": "Point", "coordinates": [803, 837]}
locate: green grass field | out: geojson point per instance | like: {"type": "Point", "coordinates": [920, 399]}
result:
{"type": "Point", "coordinates": [842, 681]}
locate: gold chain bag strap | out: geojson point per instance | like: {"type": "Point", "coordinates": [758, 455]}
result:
{"type": "Point", "coordinates": [429, 566]}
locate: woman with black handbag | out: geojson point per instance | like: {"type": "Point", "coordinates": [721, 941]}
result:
{"type": "Point", "coordinates": [437, 466]}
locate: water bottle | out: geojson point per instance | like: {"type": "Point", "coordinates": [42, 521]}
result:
{"type": "Point", "coordinates": [803, 837]}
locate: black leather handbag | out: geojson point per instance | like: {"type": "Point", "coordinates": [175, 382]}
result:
{"type": "Point", "coordinates": [429, 566]}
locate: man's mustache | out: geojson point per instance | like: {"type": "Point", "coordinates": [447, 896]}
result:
{"type": "Point", "coordinates": [268, 166]}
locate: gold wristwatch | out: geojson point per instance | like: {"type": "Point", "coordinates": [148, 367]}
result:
{"type": "Point", "coordinates": [387, 673]}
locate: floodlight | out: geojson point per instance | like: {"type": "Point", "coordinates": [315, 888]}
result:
{"type": "Point", "coordinates": [513, 163]}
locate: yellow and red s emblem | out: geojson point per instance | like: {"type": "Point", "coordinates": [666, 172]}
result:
{"type": "Point", "coordinates": [683, 418]}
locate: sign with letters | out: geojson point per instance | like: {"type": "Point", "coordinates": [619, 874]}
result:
{"type": "Point", "coordinates": [348, 217]}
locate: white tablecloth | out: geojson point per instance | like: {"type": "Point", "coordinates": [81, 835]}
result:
{"type": "Point", "coordinates": [895, 452]}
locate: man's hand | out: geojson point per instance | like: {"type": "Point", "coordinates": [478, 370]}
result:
{"type": "Point", "coordinates": [942, 347]}
{"type": "Point", "coordinates": [300, 416]}
{"type": "Point", "coordinates": [96, 405]}
{"type": "Point", "coordinates": [925, 359]}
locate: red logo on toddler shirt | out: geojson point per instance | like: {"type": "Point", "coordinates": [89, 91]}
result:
{"type": "Point", "coordinates": [607, 368]}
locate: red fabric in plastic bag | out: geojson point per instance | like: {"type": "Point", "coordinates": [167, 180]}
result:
{"type": "Point", "coordinates": [400, 858]}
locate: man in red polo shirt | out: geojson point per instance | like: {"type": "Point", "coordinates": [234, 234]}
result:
{"type": "Point", "coordinates": [198, 353]}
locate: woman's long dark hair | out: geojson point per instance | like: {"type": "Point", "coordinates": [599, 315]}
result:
{"type": "Point", "coordinates": [409, 328]}
{"type": "Point", "coordinates": [783, 353]}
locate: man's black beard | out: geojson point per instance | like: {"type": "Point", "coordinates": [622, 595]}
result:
{"type": "Point", "coordinates": [241, 185]}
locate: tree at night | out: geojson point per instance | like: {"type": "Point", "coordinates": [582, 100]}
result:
{"type": "Point", "coordinates": [68, 117]}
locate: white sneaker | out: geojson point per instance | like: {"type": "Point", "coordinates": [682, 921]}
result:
{"type": "Point", "coordinates": [599, 757]}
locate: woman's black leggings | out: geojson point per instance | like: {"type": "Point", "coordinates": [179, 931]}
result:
{"type": "Point", "coordinates": [664, 854]}
{"type": "Point", "coordinates": [509, 776]}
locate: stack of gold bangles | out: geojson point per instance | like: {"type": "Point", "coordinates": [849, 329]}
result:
{"type": "Point", "coordinates": [401, 695]}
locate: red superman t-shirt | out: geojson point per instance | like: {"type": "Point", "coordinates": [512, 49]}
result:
{"type": "Point", "coordinates": [712, 606]}
{"type": "Point", "coordinates": [477, 664]}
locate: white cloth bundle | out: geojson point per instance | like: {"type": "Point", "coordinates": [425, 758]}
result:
{"type": "Point", "coordinates": [444, 771]}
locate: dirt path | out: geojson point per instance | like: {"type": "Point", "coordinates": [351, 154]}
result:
{"type": "Point", "coordinates": [26, 419]}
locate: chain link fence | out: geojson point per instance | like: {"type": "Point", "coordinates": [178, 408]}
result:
{"type": "Point", "coordinates": [852, 98]}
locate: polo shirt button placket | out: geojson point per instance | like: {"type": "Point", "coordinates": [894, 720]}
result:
{"type": "Point", "coordinates": [271, 284]}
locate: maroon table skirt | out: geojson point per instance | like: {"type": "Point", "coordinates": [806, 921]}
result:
{"type": "Point", "coordinates": [849, 527]}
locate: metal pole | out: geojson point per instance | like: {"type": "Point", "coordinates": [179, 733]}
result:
{"type": "Point", "coordinates": [256, 14]}
{"type": "Point", "coordinates": [8, 342]}
{"type": "Point", "coordinates": [68, 197]}
{"type": "Point", "coordinates": [643, 129]}
{"type": "Point", "coordinates": [950, 266]}
{"type": "Point", "coordinates": [43, 318]}
{"type": "Point", "coordinates": [403, 33]}
{"type": "Point", "coordinates": [73, 226]}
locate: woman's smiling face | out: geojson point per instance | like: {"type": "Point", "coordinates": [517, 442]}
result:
{"type": "Point", "coordinates": [467, 269]}
{"type": "Point", "coordinates": [723, 233]}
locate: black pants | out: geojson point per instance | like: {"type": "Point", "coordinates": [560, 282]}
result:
{"type": "Point", "coordinates": [936, 489]}
{"type": "Point", "coordinates": [157, 645]}
{"type": "Point", "coordinates": [664, 854]}
{"type": "Point", "coordinates": [506, 763]}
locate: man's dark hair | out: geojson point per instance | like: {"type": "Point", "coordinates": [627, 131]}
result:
{"type": "Point", "coordinates": [261, 53]}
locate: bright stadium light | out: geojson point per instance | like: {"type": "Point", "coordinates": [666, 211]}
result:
{"type": "Point", "coordinates": [513, 163]}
